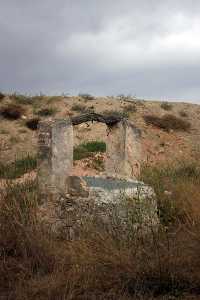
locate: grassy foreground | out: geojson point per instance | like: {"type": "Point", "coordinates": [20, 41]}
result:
{"type": "Point", "coordinates": [105, 264]}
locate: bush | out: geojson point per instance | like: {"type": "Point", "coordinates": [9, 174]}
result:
{"type": "Point", "coordinates": [166, 106]}
{"type": "Point", "coordinates": [87, 149]}
{"type": "Point", "coordinates": [45, 112]}
{"type": "Point", "coordinates": [12, 111]}
{"type": "Point", "coordinates": [167, 122]}
{"type": "Point", "coordinates": [79, 107]}
{"type": "Point", "coordinates": [18, 168]}
{"type": "Point", "coordinates": [131, 108]}
{"type": "Point", "coordinates": [115, 113]}
{"type": "Point", "coordinates": [86, 96]}
{"type": "Point", "coordinates": [32, 123]}
{"type": "Point", "coordinates": [21, 99]}
{"type": "Point", "coordinates": [183, 114]}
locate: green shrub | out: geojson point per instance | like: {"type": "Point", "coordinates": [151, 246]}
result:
{"type": "Point", "coordinates": [166, 106]}
{"type": "Point", "coordinates": [87, 149]}
{"type": "Point", "coordinates": [18, 167]}
{"type": "Point", "coordinates": [12, 111]}
{"type": "Point", "coordinates": [45, 112]}
{"type": "Point", "coordinates": [167, 122]}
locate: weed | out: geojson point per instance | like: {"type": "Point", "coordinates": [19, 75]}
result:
{"type": "Point", "coordinates": [116, 113]}
{"type": "Point", "coordinates": [183, 114]}
{"type": "Point", "coordinates": [166, 106]}
{"type": "Point", "coordinates": [4, 131]}
{"type": "Point", "coordinates": [21, 99]}
{"type": "Point", "coordinates": [167, 122]}
{"type": "Point", "coordinates": [86, 96]}
{"type": "Point", "coordinates": [79, 107]}
{"type": "Point", "coordinates": [2, 96]}
{"type": "Point", "coordinates": [18, 167]}
{"type": "Point", "coordinates": [14, 140]}
{"type": "Point", "coordinates": [45, 112]}
{"type": "Point", "coordinates": [131, 108]}
{"type": "Point", "coordinates": [87, 149]}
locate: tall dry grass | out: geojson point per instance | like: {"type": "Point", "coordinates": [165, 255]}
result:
{"type": "Point", "coordinates": [104, 264]}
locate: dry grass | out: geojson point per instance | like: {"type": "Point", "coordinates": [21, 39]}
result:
{"type": "Point", "coordinates": [167, 122]}
{"type": "Point", "coordinates": [103, 264]}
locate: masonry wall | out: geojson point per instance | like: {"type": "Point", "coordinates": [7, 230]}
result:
{"type": "Point", "coordinates": [55, 156]}
{"type": "Point", "coordinates": [123, 150]}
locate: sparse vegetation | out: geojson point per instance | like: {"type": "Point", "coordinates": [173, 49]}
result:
{"type": "Point", "coordinates": [87, 149]}
{"type": "Point", "coordinates": [86, 96]}
{"type": "Point", "coordinates": [116, 113]}
{"type": "Point", "coordinates": [21, 99]}
{"type": "Point", "coordinates": [167, 122]}
{"type": "Point", "coordinates": [166, 106]}
{"type": "Point", "coordinates": [45, 112]}
{"type": "Point", "coordinates": [79, 107]}
{"type": "Point", "coordinates": [183, 114]}
{"type": "Point", "coordinates": [32, 123]}
{"type": "Point", "coordinates": [104, 263]}
{"type": "Point", "coordinates": [18, 167]}
{"type": "Point", "coordinates": [130, 108]}
{"type": "Point", "coordinates": [12, 111]}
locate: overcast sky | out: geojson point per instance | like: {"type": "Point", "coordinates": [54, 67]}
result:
{"type": "Point", "coordinates": [147, 48]}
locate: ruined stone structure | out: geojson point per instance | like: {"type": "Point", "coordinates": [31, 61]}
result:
{"type": "Point", "coordinates": [65, 197]}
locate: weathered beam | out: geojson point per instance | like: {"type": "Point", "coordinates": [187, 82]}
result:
{"type": "Point", "coordinates": [91, 117]}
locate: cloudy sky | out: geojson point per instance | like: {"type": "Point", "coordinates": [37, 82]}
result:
{"type": "Point", "coordinates": [147, 48]}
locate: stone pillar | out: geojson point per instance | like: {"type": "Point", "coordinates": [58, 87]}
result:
{"type": "Point", "coordinates": [123, 150]}
{"type": "Point", "coordinates": [55, 157]}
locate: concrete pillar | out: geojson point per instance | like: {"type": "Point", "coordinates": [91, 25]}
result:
{"type": "Point", "coordinates": [123, 150]}
{"type": "Point", "coordinates": [55, 156]}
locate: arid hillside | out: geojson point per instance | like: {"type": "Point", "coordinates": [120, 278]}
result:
{"type": "Point", "coordinates": [170, 131]}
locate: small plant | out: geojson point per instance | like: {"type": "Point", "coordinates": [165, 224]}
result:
{"type": "Point", "coordinates": [98, 164]}
{"type": "Point", "coordinates": [45, 112]}
{"type": "Point", "coordinates": [131, 108]}
{"type": "Point", "coordinates": [86, 96]}
{"type": "Point", "coordinates": [183, 114]}
{"type": "Point", "coordinates": [4, 131]}
{"type": "Point", "coordinates": [33, 123]}
{"type": "Point", "coordinates": [167, 122]}
{"type": "Point", "coordinates": [14, 140]}
{"type": "Point", "coordinates": [21, 99]}
{"type": "Point", "coordinates": [87, 149]}
{"type": "Point", "coordinates": [79, 107]}
{"type": "Point", "coordinates": [116, 113]}
{"type": "Point", "coordinates": [166, 106]}
{"type": "Point", "coordinates": [18, 167]}
{"type": "Point", "coordinates": [12, 111]}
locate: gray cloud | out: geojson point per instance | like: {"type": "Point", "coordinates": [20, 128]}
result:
{"type": "Point", "coordinates": [148, 48]}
